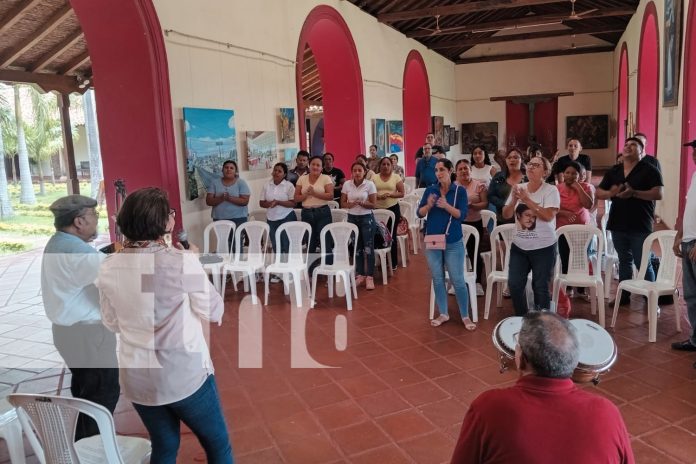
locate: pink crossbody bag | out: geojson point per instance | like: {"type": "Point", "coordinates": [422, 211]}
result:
{"type": "Point", "coordinates": [439, 241]}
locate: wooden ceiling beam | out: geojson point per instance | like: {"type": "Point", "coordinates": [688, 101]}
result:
{"type": "Point", "coordinates": [311, 87]}
{"type": "Point", "coordinates": [75, 63]}
{"type": "Point", "coordinates": [522, 56]}
{"type": "Point", "coordinates": [525, 21]}
{"type": "Point", "coordinates": [16, 13]}
{"type": "Point", "coordinates": [56, 51]}
{"type": "Point", "coordinates": [459, 9]}
{"type": "Point", "coordinates": [310, 75]}
{"type": "Point", "coordinates": [47, 82]}
{"type": "Point", "coordinates": [32, 39]}
{"type": "Point", "coordinates": [316, 95]}
{"type": "Point", "coordinates": [472, 41]}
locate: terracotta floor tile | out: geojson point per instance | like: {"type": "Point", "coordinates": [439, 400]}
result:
{"type": "Point", "coordinates": [398, 342]}
{"type": "Point", "coordinates": [423, 393]}
{"type": "Point", "coordinates": [364, 385]}
{"type": "Point", "coordinates": [434, 448]}
{"type": "Point", "coordinates": [462, 385]}
{"type": "Point", "coordinates": [675, 442]}
{"type": "Point", "coordinates": [383, 403]}
{"type": "Point", "coordinates": [386, 455]}
{"type": "Point", "coordinates": [323, 396]}
{"type": "Point", "coordinates": [315, 449]}
{"type": "Point", "coordinates": [401, 376]}
{"type": "Point", "coordinates": [686, 392]}
{"type": "Point", "coordinates": [249, 440]}
{"type": "Point", "coordinates": [416, 354]}
{"type": "Point", "coordinates": [340, 414]}
{"type": "Point", "coordinates": [382, 361]}
{"type": "Point", "coordinates": [306, 379]}
{"type": "Point", "coordinates": [491, 375]}
{"type": "Point", "coordinates": [667, 407]}
{"type": "Point", "coordinates": [471, 360]}
{"type": "Point", "coordinates": [366, 348]}
{"type": "Point", "coordinates": [380, 332]}
{"type": "Point", "coordinates": [435, 368]}
{"type": "Point", "coordinates": [348, 371]}
{"type": "Point", "coordinates": [657, 378]}
{"type": "Point", "coordinates": [359, 438]}
{"type": "Point", "coordinates": [280, 407]}
{"type": "Point", "coordinates": [267, 456]}
{"type": "Point", "coordinates": [448, 347]}
{"type": "Point", "coordinates": [445, 413]}
{"type": "Point", "coordinates": [646, 454]}
{"type": "Point", "coordinates": [295, 428]}
{"type": "Point", "coordinates": [404, 425]}
{"type": "Point", "coordinates": [639, 421]}
{"type": "Point", "coordinates": [627, 388]}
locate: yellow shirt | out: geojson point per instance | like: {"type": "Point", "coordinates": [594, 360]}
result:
{"type": "Point", "coordinates": [386, 187]}
{"type": "Point", "coordinates": [319, 184]}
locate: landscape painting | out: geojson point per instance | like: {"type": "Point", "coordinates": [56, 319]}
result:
{"type": "Point", "coordinates": [287, 156]}
{"type": "Point", "coordinates": [592, 131]}
{"type": "Point", "coordinates": [211, 139]}
{"type": "Point", "coordinates": [261, 151]}
{"type": "Point", "coordinates": [379, 136]}
{"type": "Point", "coordinates": [396, 136]}
{"type": "Point", "coordinates": [286, 125]}
{"type": "Point", "coordinates": [479, 133]}
{"type": "Point", "coordinates": [438, 124]}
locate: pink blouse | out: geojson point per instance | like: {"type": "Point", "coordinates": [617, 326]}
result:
{"type": "Point", "coordinates": [570, 201]}
{"type": "Point", "coordinates": [473, 193]}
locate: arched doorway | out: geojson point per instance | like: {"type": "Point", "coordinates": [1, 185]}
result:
{"type": "Point", "coordinates": [416, 103]}
{"type": "Point", "coordinates": [622, 99]}
{"type": "Point", "coordinates": [133, 107]}
{"type": "Point", "coordinates": [648, 78]}
{"type": "Point", "coordinates": [687, 167]}
{"type": "Point", "coordinates": [327, 35]}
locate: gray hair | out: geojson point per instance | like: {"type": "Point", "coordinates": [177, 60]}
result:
{"type": "Point", "coordinates": [549, 344]}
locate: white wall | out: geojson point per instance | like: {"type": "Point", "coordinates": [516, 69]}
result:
{"type": "Point", "coordinates": [212, 76]}
{"type": "Point", "coordinates": [588, 76]}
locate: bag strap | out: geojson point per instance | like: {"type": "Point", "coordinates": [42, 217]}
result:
{"type": "Point", "coordinates": [449, 223]}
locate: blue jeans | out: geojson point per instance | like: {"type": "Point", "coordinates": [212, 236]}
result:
{"type": "Point", "coordinates": [629, 248]}
{"type": "Point", "coordinates": [452, 259]}
{"type": "Point", "coordinates": [201, 412]}
{"type": "Point", "coordinates": [689, 283]}
{"type": "Point", "coordinates": [273, 226]}
{"type": "Point", "coordinates": [541, 262]}
{"type": "Point", "coordinates": [317, 218]}
{"type": "Point", "coordinates": [365, 243]}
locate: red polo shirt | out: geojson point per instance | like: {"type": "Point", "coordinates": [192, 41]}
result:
{"type": "Point", "coordinates": [542, 421]}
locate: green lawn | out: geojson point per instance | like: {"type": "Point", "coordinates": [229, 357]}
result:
{"type": "Point", "coordinates": [33, 225]}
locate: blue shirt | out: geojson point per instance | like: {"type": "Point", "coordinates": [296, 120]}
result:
{"type": "Point", "coordinates": [438, 218]}
{"type": "Point", "coordinates": [227, 210]}
{"type": "Point", "coordinates": [425, 172]}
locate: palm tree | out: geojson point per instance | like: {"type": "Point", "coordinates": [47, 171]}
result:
{"type": "Point", "coordinates": [6, 210]}
{"type": "Point", "coordinates": [26, 187]}
{"type": "Point", "coordinates": [43, 135]}
{"type": "Point", "coordinates": [9, 133]}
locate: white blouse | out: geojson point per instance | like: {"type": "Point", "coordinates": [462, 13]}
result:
{"type": "Point", "coordinates": [283, 191]}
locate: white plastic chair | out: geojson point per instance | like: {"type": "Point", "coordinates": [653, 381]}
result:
{"type": "Point", "coordinates": [411, 182]}
{"type": "Point", "coordinates": [339, 215]}
{"type": "Point", "coordinates": [343, 266]}
{"type": "Point", "coordinates": [384, 254]}
{"type": "Point", "coordinates": [469, 274]}
{"type": "Point", "coordinates": [294, 263]}
{"type": "Point", "coordinates": [418, 194]}
{"type": "Point", "coordinates": [222, 231]}
{"type": "Point", "coordinates": [665, 281]}
{"type": "Point", "coordinates": [409, 207]}
{"type": "Point", "coordinates": [54, 419]}
{"type": "Point", "coordinates": [251, 262]}
{"type": "Point", "coordinates": [258, 215]}
{"type": "Point", "coordinates": [579, 237]}
{"type": "Point", "coordinates": [501, 240]}
{"type": "Point", "coordinates": [486, 256]}
{"type": "Point", "coordinates": [11, 432]}
{"type": "Point", "coordinates": [407, 188]}
{"type": "Point", "coordinates": [406, 208]}
{"type": "Point", "coordinates": [333, 204]}
{"type": "Point", "coordinates": [610, 259]}
{"type": "Point", "coordinates": [298, 213]}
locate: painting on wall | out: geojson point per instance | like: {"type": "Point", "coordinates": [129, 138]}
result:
{"type": "Point", "coordinates": [286, 125]}
{"type": "Point", "coordinates": [438, 124]}
{"type": "Point", "coordinates": [288, 156]}
{"type": "Point", "coordinates": [479, 133]}
{"type": "Point", "coordinates": [211, 138]}
{"type": "Point", "coordinates": [261, 151]}
{"type": "Point", "coordinates": [445, 138]}
{"type": "Point", "coordinates": [396, 136]}
{"type": "Point", "coordinates": [454, 137]}
{"type": "Point", "coordinates": [592, 131]}
{"type": "Point", "coordinates": [379, 136]}
{"type": "Point", "coordinates": [672, 52]}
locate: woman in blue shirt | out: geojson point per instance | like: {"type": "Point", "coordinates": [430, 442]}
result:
{"type": "Point", "coordinates": [445, 204]}
{"type": "Point", "coordinates": [229, 195]}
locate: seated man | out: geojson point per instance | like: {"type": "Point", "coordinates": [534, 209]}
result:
{"type": "Point", "coordinates": [544, 418]}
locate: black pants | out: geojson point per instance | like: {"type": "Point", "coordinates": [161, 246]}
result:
{"type": "Point", "coordinates": [470, 248]}
{"type": "Point", "coordinates": [90, 353]}
{"type": "Point", "coordinates": [317, 218]}
{"type": "Point", "coordinates": [394, 247]}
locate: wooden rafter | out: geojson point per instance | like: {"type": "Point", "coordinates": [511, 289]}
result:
{"type": "Point", "coordinates": [526, 21]}
{"type": "Point", "coordinates": [16, 13]}
{"type": "Point", "coordinates": [521, 56]}
{"type": "Point", "coordinates": [472, 41]}
{"type": "Point", "coordinates": [459, 9]}
{"type": "Point", "coordinates": [75, 63]}
{"type": "Point", "coordinates": [56, 51]}
{"type": "Point", "coordinates": [47, 82]}
{"type": "Point", "coordinates": [32, 39]}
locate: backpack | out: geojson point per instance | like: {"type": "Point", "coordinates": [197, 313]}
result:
{"type": "Point", "coordinates": [383, 237]}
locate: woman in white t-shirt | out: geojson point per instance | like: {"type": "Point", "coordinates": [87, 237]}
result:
{"type": "Point", "coordinates": [481, 168]}
{"type": "Point", "coordinates": [278, 197]}
{"type": "Point", "coordinates": [534, 205]}
{"type": "Point", "coordinates": [359, 197]}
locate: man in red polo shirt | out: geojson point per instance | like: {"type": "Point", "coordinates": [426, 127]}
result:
{"type": "Point", "coordinates": [544, 418]}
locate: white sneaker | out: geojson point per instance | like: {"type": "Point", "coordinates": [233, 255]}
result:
{"type": "Point", "coordinates": [479, 290]}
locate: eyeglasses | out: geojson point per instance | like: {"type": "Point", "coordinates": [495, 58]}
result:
{"type": "Point", "coordinates": [535, 165]}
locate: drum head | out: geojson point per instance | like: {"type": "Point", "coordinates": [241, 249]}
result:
{"type": "Point", "coordinates": [507, 330]}
{"type": "Point", "coordinates": [596, 345]}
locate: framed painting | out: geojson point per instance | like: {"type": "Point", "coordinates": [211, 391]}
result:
{"type": "Point", "coordinates": [438, 124]}
{"type": "Point", "coordinates": [261, 151]}
{"type": "Point", "coordinates": [286, 125]}
{"type": "Point", "coordinates": [479, 133]}
{"type": "Point", "coordinates": [445, 138]}
{"type": "Point", "coordinates": [592, 131]}
{"type": "Point", "coordinates": [379, 136]}
{"type": "Point", "coordinates": [396, 136]}
{"type": "Point", "coordinates": [288, 156]}
{"type": "Point", "coordinates": [211, 139]}
{"type": "Point", "coordinates": [454, 137]}
{"type": "Point", "coordinates": [671, 52]}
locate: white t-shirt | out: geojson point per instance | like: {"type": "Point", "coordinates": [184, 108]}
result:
{"type": "Point", "coordinates": [689, 219]}
{"type": "Point", "coordinates": [531, 232]}
{"type": "Point", "coordinates": [359, 193]}
{"type": "Point", "coordinates": [284, 191]}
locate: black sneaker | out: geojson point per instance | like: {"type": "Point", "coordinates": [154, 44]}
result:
{"type": "Point", "coordinates": [686, 345]}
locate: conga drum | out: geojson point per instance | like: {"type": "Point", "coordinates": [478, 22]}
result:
{"type": "Point", "coordinates": [505, 338]}
{"type": "Point", "coordinates": [597, 351]}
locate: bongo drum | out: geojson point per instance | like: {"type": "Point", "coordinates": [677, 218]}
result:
{"type": "Point", "coordinates": [597, 351]}
{"type": "Point", "coordinates": [505, 339]}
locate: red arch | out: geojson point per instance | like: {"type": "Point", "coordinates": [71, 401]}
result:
{"type": "Point", "coordinates": [133, 108]}
{"type": "Point", "coordinates": [416, 103]}
{"type": "Point", "coordinates": [689, 106]}
{"type": "Point", "coordinates": [649, 78]}
{"type": "Point", "coordinates": [328, 36]}
{"type": "Point", "coordinates": [622, 100]}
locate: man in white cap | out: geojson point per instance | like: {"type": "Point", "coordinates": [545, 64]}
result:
{"type": "Point", "coordinates": [685, 247]}
{"type": "Point", "coordinates": [71, 302]}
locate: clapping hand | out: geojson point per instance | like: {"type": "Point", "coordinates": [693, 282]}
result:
{"type": "Point", "coordinates": [442, 202]}
{"type": "Point", "coordinates": [309, 191]}
{"type": "Point", "coordinates": [431, 200]}
{"type": "Point", "coordinates": [625, 192]}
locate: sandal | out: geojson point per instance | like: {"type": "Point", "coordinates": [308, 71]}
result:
{"type": "Point", "coordinates": [439, 320]}
{"type": "Point", "coordinates": [469, 324]}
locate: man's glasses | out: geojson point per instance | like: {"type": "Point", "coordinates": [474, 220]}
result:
{"type": "Point", "coordinates": [535, 165]}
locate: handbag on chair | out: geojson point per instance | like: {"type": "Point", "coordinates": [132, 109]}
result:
{"type": "Point", "coordinates": [439, 241]}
